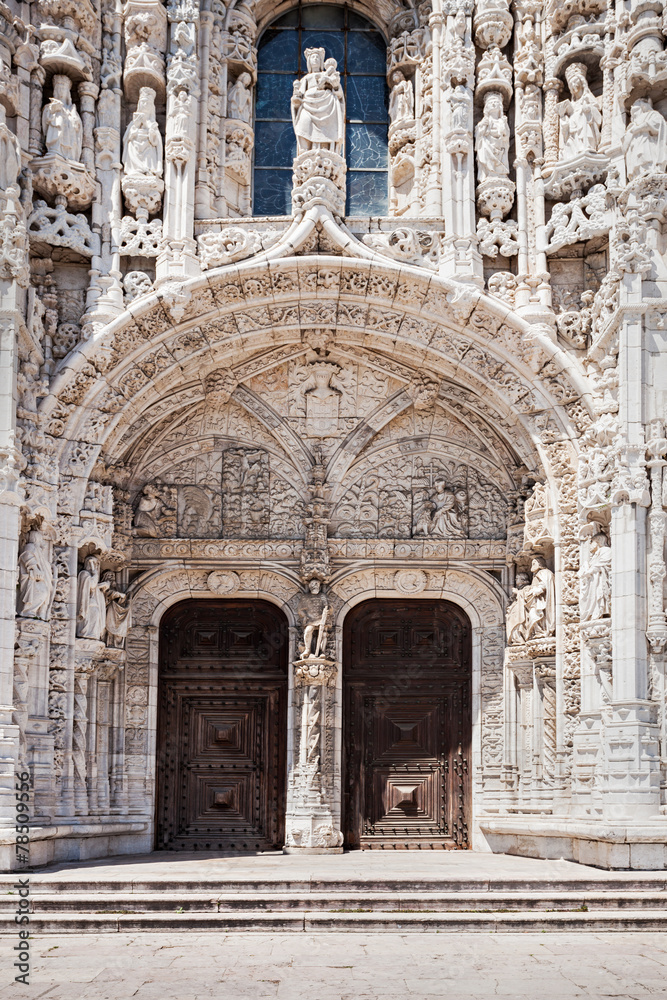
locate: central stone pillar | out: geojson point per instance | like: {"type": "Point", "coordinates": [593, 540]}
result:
{"type": "Point", "coordinates": [311, 827]}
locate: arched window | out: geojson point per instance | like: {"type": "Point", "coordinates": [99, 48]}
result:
{"type": "Point", "coordinates": [360, 51]}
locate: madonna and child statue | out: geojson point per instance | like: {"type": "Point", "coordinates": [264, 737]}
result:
{"type": "Point", "coordinates": [318, 116]}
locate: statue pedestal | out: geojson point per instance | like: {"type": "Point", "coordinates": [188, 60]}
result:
{"type": "Point", "coordinates": [53, 175]}
{"type": "Point", "coordinates": [310, 824]}
{"type": "Point", "coordinates": [319, 179]}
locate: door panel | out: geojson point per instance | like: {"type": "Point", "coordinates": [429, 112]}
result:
{"type": "Point", "coordinates": [221, 727]}
{"type": "Point", "coordinates": [406, 678]}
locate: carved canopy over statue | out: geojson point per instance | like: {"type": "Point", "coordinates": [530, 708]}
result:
{"type": "Point", "coordinates": [532, 613]}
{"type": "Point", "coordinates": [580, 117]}
{"type": "Point", "coordinates": [63, 131]}
{"type": "Point", "coordinates": [318, 106]}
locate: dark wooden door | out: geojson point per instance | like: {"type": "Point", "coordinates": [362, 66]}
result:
{"type": "Point", "coordinates": [407, 724]}
{"type": "Point", "coordinates": [222, 727]}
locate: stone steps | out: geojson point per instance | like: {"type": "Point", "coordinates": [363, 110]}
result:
{"type": "Point", "coordinates": [387, 902]}
{"type": "Point", "coordinates": [314, 922]}
{"type": "Point", "coordinates": [228, 903]}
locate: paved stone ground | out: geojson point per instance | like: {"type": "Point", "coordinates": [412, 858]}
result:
{"type": "Point", "coordinates": [344, 967]}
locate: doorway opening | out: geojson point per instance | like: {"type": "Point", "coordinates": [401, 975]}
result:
{"type": "Point", "coordinates": [222, 722]}
{"type": "Point", "coordinates": [407, 679]}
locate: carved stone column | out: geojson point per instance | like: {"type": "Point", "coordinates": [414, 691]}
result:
{"type": "Point", "coordinates": [311, 826]}
{"type": "Point", "coordinates": [177, 258]}
{"type": "Point", "coordinates": [85, 665]}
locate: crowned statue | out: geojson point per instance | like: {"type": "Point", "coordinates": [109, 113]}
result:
{"type": "Point", "coordinates": [63, 131]}
{"type": "Point", "coordinates": [580, 117]}
{"type": "Point", "coordinates": [318, 105]}
{"type": "Point", "coordinates": [142, 142]}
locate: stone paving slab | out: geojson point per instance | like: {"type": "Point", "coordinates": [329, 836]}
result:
{"type": "Point", "coordinates": [309, 869]}
{"type": "Point", "coordinates": [344, 967]}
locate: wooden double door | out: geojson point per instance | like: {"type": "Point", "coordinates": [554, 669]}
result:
{"type": "Point", "coordinates": [222, 717]}
{"type": "Point", "coordinates": [407, 725]}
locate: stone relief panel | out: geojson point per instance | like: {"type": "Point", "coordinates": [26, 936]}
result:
{"type": "Point", "coordinates": [420, 496]}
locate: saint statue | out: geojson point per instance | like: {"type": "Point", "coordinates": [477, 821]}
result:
{"type": "Point", "coordinates": [118, 618]}
{"type": "Point", "coordinates": [532, 613]}
{"type": "Point", "coordinates": [645, 140]}
{"type": "Point", "coordinates": [447, 517]}
{"type": "Point", "coordinates": [142, 142]}
{"type": "Point", "coordinates": [91, 605]}
{"type": "Point", "coordinates": [516, 615]}
{"type": "Point", "coordinates": [595, 580]}
{"type": "Point", "coordinates": [63, 131]}
{"type": "Point", "coordinates": [239, 99]}
{"type": "Point", "coordinates": [313, 614]}
{"type": "Point", "coordinates": [401, 99]}
{"type": "Point", "coordinates": [492, 140]}
{"type": "Point", "coordinates": [146, 521]}
{"type": "Point", "coordinates": [10, 155]}
{"type": "Point", "coordinates": [580, 117]}
{"type": "Point", "coordinates": [318, 111]}
{"type": "Point", "coordinates": [35, 577]}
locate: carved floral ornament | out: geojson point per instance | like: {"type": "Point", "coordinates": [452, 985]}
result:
{"type": "Point", "coordinates": [394, 304]}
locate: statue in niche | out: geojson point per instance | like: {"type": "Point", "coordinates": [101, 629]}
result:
{"type": "Point", "coordinates": [322, 401]}
{"type": "Point", "coordinates": [313, 612]}
{"type": "Point", "coordinates": [645, 140]}
{"type": "Point", "coordinates": [10, 156]}
{"type": "Point", "coordinates": [516, 616]}
{"type": "Point", "coordinates": [63, 131]}
{"type": "Point", "coordinates": [580, 117]}
{"type": "Point", "coordinates": [401, 99]}
{"type": "Point", "coordinates": [239, 99]}
{"type": "Point", "coordinates": [35, 577]}
{"type": "Point", "coordinates": [91, 604]}
{"type": "Point", "coordinates": [118, 614]}
{"type": "Point", "coordinates": [318, 111]}
{"type": "Point", "coordinates": [142, 142]}
{"type": "Point", "coordinates": [595, 580]}
{"type": "Point", "coordinates": [532, 614]}
{"type": "Point", "coordinates": [492, 140]}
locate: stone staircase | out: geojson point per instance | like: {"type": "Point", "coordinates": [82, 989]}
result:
{"type": "Point", "coordinates": [626, 901]}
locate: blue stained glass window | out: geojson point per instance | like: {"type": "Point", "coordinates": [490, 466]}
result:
{"type": "Point", "coordinates": [360, 51]}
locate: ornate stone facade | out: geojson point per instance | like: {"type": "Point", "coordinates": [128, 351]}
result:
{"type": "Point", "coordinates": [460, 397]}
